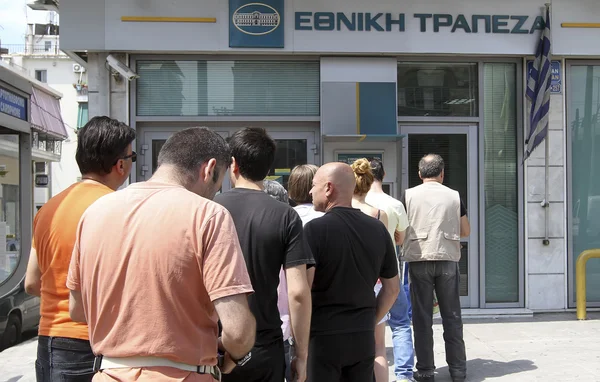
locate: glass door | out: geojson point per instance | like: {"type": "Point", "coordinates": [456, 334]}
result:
{"type": "Point", "coordinates": [149, 148]}
{"type": "Point", "coordinates": [458, 147]}
{"type": "Point", "coordinates": [293, 148]}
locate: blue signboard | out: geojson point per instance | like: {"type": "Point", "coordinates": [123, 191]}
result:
{"type": "Point", "coordinates": [13, 104]}
{"type": "Point", "coordinates": [555, 76]}
{"type": "Point", "coordinates": [256, 24]}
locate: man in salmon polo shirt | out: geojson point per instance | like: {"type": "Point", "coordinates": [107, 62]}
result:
{"type": "Point", "coordinates": [156, 265]}
{"type": "Point", "coordinates": [105, 158]}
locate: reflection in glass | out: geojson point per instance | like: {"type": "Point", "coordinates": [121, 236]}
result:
{"type": "Point", "coordinates": [584, 127]}
{"type": "Point", "coordinates": [290, 153]}
{"type": "Point", "coordinates": [157, 144]}
{"type": "Point", "coordinates": [501, 184]}
{"type": "Point", "coordinates": [437, 89]}
{"type": "Point", "coordinates": [453, 149]}
{"type": "Point", "coordinates": [228, 88]}
{"type": "Point", "coordinates": [10, 221]}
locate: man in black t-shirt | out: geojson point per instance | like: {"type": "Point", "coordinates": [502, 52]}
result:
{"type": "Point", "coordinates": [271, 236]}
{"type": "Point", "coordinates": [351, 250]}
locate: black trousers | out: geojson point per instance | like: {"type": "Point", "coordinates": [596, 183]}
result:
{"type": "Point", "coordinates": [444, 277]}
{"type": "Point", "coordinates": [341, 357]}
{"type": "Point", "coordinates": [266, 365]}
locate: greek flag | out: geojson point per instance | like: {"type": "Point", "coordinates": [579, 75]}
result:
{"type": "Point", "coordinates": [538, 91]}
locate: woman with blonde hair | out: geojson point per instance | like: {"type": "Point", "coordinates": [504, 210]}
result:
{"type": "Point", "coordinates": [364, 179]}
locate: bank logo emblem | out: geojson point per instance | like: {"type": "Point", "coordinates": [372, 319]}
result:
{"type": "Point", "coordinates": [256, 23]}
{"type": "Point", "coordinates": [256, 19]}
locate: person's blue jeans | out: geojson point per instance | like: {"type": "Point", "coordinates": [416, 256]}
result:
{"type": "Point", "coordinates": [407, 290]}
{"type": "Point", "coordinates": [404, 355]}
{"type": "Point", "coordinates": [62, 359]}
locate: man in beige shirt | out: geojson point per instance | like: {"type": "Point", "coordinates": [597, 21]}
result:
{"type": "Point", "coordinates": [156, 265]}
{"type": "Point", "coordinates": [438, 219]}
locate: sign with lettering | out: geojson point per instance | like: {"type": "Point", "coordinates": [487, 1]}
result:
{"type": "Point", "coordinates": [350, 158]}
{"type": "Point", "coordinates": [429, 22]}
{"type": "Point", "coordinates": [555, 76]}
{"type": "Point", "coordinates": [254, 24]}
{"type": "Point", "coordinates": [13, 104]}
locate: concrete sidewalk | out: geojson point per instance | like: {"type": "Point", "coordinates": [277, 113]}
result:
{"type": "Point", "coordinates": [547, 347]}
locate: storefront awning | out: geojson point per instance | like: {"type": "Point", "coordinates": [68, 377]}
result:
{"type": "Point", "coordinates": [363, 138]}
{"type": "Point", "coordinates": [45, 114]}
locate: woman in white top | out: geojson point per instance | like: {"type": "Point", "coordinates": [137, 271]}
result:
{"type": "Point", "coordinates": [364, 179]}
{"type": "Point", "coordinates": [299, 185]}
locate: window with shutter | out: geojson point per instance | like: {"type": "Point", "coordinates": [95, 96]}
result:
{"type": "Point", "coordinates": [228, 88]}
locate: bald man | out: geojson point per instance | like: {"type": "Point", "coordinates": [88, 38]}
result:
{"type": "Point", "coordinates": [351, 250]}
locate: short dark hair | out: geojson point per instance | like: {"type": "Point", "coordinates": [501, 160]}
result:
{"type": "Point", "coordinates": [190, 148]}
{"type": "Point", "coordinates": [377, 169]}
{"type": "Point", "coordinates": [254, 152]}
{"type": "Point", "coordinates": [431, 166]}
{"type": "Point", "coordinates": [101, 143]}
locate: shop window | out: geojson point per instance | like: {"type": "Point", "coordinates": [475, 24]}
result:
{"type": "Point", "coordinates": [501, 203]}
{"type": "Point", "coordinates": [228, 88]}
{"type": "Point", "coordinates": [9, 206]}
{"type": "Point", "coordinates": [437, 89]}
{"type": "Point", "coordinates": [584, 128]}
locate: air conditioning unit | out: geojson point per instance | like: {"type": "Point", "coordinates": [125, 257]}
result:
{"type": "Point", "coordinates": [78, 68]}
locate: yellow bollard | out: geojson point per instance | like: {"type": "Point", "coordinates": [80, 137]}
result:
{"type": "Point", "coordinates": [580, 280]}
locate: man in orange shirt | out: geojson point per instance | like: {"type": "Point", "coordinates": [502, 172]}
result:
{"type": "Point", "coordinates": [105, 158]}
{"type": "Point", "coordinates": [157, 264]}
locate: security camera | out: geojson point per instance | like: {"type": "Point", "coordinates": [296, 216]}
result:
{"type": "Point", "coordinates": [121, 68]}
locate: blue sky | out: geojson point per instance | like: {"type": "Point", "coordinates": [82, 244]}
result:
{"type": "Point", "coordinates": [14, 16]}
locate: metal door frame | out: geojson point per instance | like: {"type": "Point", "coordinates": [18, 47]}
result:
{"type": "Point", "coordinates": [471, 131]}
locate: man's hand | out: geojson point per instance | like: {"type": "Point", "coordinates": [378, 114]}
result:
{"type": "Point", "coordinates": [298, 366]}
{"type": "Point", "coordinates": [228, 364]}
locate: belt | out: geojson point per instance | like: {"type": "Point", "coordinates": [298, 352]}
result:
{"type": "Point", "coordinates": [101, 363]}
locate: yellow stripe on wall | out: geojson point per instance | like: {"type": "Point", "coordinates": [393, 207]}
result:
{"type": "Point", "coordinates": [358, 108]}
{"type": "Point", "coordinates": [580, 25]}
{"type": "Point", "coordinates": [153, 19]}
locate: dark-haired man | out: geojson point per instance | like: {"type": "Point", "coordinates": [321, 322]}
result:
{"type": "Point", "coordinates": [156, 265]}
{"type": "Point", "coordinates": [399, 320]}
{"type": "Point", "coordinates": [271, 236]}
{"type": "Point", "coordinates": [105, 158]}
{"type": "Point", "coordinates": [438, 219]}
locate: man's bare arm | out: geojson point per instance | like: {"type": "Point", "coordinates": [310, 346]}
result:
{"type": "Point", "coordinates": [76, 307]}
{"type": "Point", "coordinates": [387, 296]}
{"type": "Point", "coordinates": [239, 324]}
{"type": "Point", "coordinates": [300, 305]}
{"type": "Point", "coordinates": [33, 276]}
{"type": "Point", "coordinates": [399, 237]}
{"type": "Point", "coordinates": [465, 226]}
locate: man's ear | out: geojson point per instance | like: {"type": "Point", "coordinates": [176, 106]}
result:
{"type": "Point", "coordinates": [234, 166]}
{"type": "Point", "coordinates": [209, 169]}
{"type": "Point", "coordinates": [119, 167]}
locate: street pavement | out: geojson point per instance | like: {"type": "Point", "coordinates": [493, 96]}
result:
{"type": "Point", "coordinates": [546, 347]}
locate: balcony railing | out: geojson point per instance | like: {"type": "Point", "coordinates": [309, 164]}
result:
{"type": "Point", "coordinates": [36, 49]}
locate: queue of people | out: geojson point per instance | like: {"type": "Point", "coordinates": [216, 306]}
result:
{"type": "Point", "coordinates": [166, 280]}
